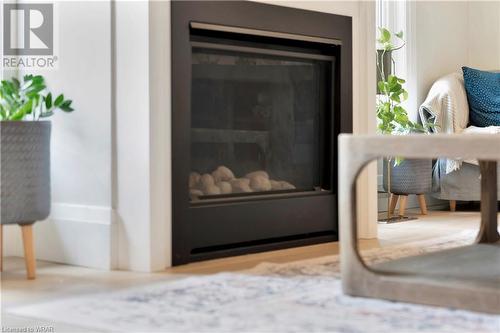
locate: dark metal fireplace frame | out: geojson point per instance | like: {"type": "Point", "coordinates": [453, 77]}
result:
{"type": "Point", "coordinates": [223, 228]}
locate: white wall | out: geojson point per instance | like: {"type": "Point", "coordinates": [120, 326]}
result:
{"type": "Point", "coordinates": [455, 34]}
{"type": "Point", "coordinates": [484, 34]}
{"type": "Point", "coordinates": [442, 41]}
{"type": "Point", "coordinates": [80, 228]}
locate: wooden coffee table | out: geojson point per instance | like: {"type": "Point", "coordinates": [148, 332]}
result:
{"type": "Point", "coordinates": [467, 277]}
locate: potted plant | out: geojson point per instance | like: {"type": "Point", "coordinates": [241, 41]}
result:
{"type": "Point", "coordinates": [401, 177]}
{"type": "Point", "coordinates": [25, 155]}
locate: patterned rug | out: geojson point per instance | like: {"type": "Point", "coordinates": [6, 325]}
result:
{"type": "Point", "coordinates": [303, 296]}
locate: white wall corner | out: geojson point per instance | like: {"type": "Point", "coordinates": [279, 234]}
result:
{"type": "Point", "coordinates": [364, 115]}
{"type": "Point", "coordinates": [143, 158]}
{"type": "Point", "coordinates": [132, 192]}
{"type": "Point", "coordinates": [160, 143]}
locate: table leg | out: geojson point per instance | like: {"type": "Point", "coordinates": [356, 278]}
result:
{"type": "Point", "coordinates": [488, 232]}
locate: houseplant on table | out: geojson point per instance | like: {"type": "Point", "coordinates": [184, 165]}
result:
{"type": "Point", "coordinates": [25, 156]}
{"type": "Point", "coordinates": [401, 177]}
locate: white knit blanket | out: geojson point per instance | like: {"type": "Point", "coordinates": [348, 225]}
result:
{"type": "Point", "coordinates": [446, 107]}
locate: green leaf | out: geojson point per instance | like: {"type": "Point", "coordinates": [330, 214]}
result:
{"type": "Point", "coordinates": [397, 88]}
{"type": "Point", "coordinates": [405, 95]}
{"type": "Point", "coordinates": [418, 128]}
{"type": "Point", "coordinates": [392, 80]}
{"type": "Point", "coordinates": [381, 86]}
{"type": "Point", "coordinates": [46, 114]}
{"type": "Point", "coordinates": [3, 113]}
{"type": "Point", "coordinates": [395, 98]}
{"type": "Point", "coordinates": [26, 84]}
{"type": "Point", "coordinates": [59, 100]}
{"type": "Point", "coordinates": [399, 34]}
{"type": "Point", "coordinates": [66, 106]}
{"type": "Point", "coordinates": [8, 87]}
{"type": "Point", "coordinates": [22, 111]}
{"type": "Point", "coordinates": [34, 90]}
{"type": "Point", "coordinates": [399, 109]}
{"type": "Point", "coordinates": [385, 35]}
{"type": "Point", "coordinates": [48, 101]}
{"type": "Point", "coordinates": [398, 161]}
{"type": "Point", "coordinates": [16, 82]}
{"type": "Point", "coordinates": [37, 79]}
{"type": "Point", "coordinates": [19, 99]}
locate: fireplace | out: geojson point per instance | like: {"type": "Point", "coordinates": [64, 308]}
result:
{"type": "Point", "coordinates": [260, 94]}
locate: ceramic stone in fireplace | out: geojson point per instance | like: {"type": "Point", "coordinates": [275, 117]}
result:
{"type": "Point", "coordinates": [260, 93]}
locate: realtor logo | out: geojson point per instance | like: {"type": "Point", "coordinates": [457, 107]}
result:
{"type": "Point", "coordinates": [28, 29]}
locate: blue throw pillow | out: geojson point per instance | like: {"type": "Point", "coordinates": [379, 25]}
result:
{"type": "Point", "coordinates": [483, 94]}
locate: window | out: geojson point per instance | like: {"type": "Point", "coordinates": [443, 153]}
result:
{"type": "Point", "coordinates": [398, 16]}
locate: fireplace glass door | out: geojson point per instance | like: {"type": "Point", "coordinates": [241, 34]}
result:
{"type": "Point", "coordinates": [260, 121]}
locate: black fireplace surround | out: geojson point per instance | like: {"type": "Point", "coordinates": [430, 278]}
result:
{"type": "Point", "coordinates": [259, 96]}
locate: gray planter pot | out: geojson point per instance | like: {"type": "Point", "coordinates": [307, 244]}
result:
{"type": "Point", "coordinates": [409, 177]}
{"type": "Point", "coordinates": [385, 59]}
{"type": "Point", "coordinates": [25, 171]}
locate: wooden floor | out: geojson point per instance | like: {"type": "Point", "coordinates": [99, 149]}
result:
{"type": "Point", "coordinates": [55, 281]}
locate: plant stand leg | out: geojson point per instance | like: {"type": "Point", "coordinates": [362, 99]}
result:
{"type": "Point", "coordinates": [394, 202]}
{"type": "Point", "coordinates": [453, 205]}
{"type": "Point", "coordinates": [1, 247]}
{"type": "Point", "coordinates": [402, 204]}
{"type": "Point", "coordinates": [29, 250]}
{"type": "Point", "coordinates": [422, 203]}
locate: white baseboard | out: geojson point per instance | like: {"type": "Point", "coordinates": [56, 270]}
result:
{"type": "Point", "coordinates": [73, 234]}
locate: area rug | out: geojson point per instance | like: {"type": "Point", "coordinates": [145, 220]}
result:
{"type": "Point", "coordinates": [303, 296]}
